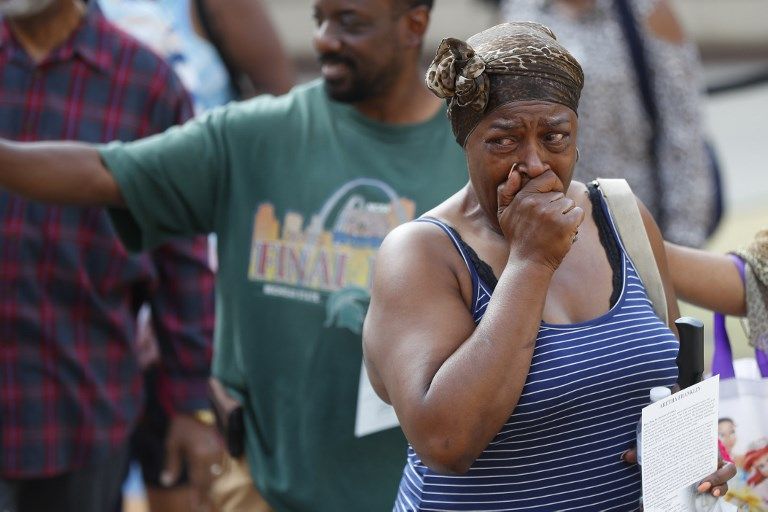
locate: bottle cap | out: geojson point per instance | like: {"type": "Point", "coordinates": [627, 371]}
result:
{"type": "Point", "coordinates": [659, 393]}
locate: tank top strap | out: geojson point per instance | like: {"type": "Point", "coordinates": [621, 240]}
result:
{"type": "Point", "coordinates": [481, 291]}
{"type": "Point", "coordinates": [457, 242]}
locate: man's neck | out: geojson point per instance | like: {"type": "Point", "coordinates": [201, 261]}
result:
{"type": "Point", "coordinates": [41, 33]}
{"type": "Point", "coordinates": [408, 101]}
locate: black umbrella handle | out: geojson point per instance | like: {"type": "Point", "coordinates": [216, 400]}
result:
{"type": "Point", "coordinates": [690, 358]}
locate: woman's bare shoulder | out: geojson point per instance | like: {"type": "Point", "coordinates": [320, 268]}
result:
{"type": "Point", "coordinates": [412, 242]}
{"type": "Point", "coordinates": [419, 252]}
{"type": "Point", "coordinates": [577, 188]}
{"type": "Point", "coordinates": [423, 235]}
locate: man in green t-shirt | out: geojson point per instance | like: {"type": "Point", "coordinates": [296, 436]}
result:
{"type": "Point", "coordinates": [300, 190]}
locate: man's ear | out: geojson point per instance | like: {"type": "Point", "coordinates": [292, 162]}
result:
{"type": "Point", "coordinates": [416, 23]}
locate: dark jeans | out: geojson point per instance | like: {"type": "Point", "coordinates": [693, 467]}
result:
{"type": "Point", "coordinates": [96, 488]}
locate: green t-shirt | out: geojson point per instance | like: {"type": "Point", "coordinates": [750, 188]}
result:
{"type": "Point", "coordinates": [300, 191]}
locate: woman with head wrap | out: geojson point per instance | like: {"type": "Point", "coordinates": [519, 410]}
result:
{"type": "Point", "coordinates": [507, 326]}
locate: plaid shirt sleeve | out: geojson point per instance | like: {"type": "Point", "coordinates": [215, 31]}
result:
{"type": "Point", "coordinates": [183, 315]}
{"type": "Point", "coordinates": [182, 303]}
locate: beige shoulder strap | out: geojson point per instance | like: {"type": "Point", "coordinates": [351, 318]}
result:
{"type": "Point", "coordinates": [626, 215]}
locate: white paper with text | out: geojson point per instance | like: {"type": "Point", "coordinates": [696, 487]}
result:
{"type": "Point", "coordinates": [679, 446]}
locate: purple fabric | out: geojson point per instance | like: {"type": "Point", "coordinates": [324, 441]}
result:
{"type": "Point", "coordinates": [722, 358]}
{"type": "Point", "coordinates": [740, 266]}
{"type": "Point", "coordinates": [762, 362]}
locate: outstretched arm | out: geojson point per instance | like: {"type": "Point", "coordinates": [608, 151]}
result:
{"type": "Point", "coordinates": [57, 172]}
{"type": "Point", "coordinates": [706, 279]}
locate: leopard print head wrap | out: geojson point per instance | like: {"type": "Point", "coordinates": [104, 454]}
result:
{"type": "Point", "coordinates": [517, 61]}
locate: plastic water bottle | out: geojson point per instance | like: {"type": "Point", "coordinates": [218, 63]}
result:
{"type": "Point", "coordinates": [656, 394]}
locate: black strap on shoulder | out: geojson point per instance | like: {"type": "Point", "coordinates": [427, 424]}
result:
{"type": "Point", "coordinates": [484, 270]}
{"type": "Point", "coordinates": [644, 75]}
{"type": "Point", "coordinates": [607, 240]}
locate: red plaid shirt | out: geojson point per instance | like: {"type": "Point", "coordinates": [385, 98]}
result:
{"type": "Point", "coordinates": [70, 384]}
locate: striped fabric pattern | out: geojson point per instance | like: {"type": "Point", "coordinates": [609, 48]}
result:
{"type": "Point", "coordinates": [560, 449]}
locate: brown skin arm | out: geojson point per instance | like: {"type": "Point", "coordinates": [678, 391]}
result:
{"type": "Point", "coordinates": [251, 44]}
{"type": "Point", "coordinates": [706, 279]}
{"type": "Point", "coordinates": [453, 385]}
{"type": "Point", "coordinates": [657, 244]}
{"type": "Point", "coordinates": [57, 172]}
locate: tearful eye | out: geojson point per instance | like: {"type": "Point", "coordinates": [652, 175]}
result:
{"type": "Point", "coordinates": [555, 137]}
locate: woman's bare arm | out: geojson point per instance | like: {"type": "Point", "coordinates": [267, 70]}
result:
{"type": "Point", "coordinates": [453, 385]}
{"type": "Point", "coordinates": [57, 172]}
{"type": "Point", "coordinates": [706, 279]}
{"type": "Point", "coordinates": [657, 245]}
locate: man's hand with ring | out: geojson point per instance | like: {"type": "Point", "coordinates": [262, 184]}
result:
{"type": "Point", "coordinates": [193, 438]}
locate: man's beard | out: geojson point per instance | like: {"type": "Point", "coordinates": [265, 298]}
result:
{"type": "Point", "coordinates": [355, 91]}
{"type": "Point", "coordinates": [22, 8]}
{"type": "Point", "coordinates": [356, 86]}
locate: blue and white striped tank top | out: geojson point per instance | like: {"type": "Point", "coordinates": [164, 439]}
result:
{"type": "Point", "coordinates": [561, 448]}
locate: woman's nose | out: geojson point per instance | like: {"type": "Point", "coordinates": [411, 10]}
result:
{"type": "Point", "coordinates": [325, 39]}
{"type": "Point", "coordinates": [531, 162]}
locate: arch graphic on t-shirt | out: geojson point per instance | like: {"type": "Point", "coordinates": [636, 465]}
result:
{"type": "Point", "coordinates": [318, 221]}
{"type": "Point", "coordinates": [323, 253]}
